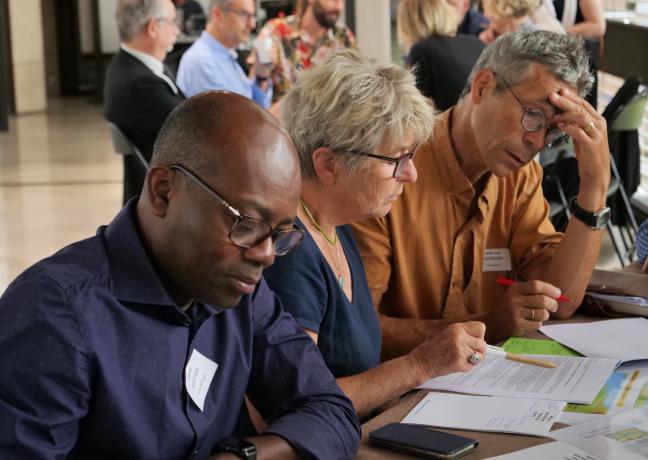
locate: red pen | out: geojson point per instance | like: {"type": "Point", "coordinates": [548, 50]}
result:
{"type": "Point", "coordinates": [507, 282]}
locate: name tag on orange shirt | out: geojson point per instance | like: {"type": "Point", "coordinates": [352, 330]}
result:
{"type": "Point", "coordinates": [497, 260]}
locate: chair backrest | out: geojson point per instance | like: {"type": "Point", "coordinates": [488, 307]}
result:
{"type": "Point", "coordinates": [124, 146]}
{"type": "Point", "coordinates": [630, 116]}
{"type": "Point", "coordinates": [628, 90]}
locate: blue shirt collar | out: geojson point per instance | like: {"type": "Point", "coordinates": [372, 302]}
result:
{"type": "Point", "coordinates": [134, 279]}
{"type": "Point", "coordinates": [217, 46]}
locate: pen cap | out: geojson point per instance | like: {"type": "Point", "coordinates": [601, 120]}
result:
{"type": "Point", "coordinates": [496, 351]}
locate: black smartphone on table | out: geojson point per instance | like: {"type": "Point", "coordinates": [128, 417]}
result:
{"type": "Point", "coordinates": [422, 441]}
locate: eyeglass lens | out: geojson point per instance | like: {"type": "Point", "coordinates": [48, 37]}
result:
{"type": "Point", "coordinates": [402, 163]}
{"type": "Point", "coordinates": [249, 232]}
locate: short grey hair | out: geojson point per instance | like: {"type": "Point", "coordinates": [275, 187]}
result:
{"type": "Point", "coordinates": [222, 4]}
{"type": "Point", "coordinates": [511, 55]}
{"type": "Point", "coordinates": [353, 103]}
{"type": "Point", "coordinates": [133, 15]}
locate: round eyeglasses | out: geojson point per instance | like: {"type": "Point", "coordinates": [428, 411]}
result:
{"type": "Point", "coordinates": [399, 162]}
{"type": "Point", "coordinates": [534, 119]}
{"type": "Point", "coordinates": [248, 232]}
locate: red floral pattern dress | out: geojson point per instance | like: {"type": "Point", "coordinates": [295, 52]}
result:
{"type": "Point", "coordinates": [297, 51]}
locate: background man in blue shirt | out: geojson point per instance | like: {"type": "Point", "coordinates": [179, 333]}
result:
{"type": "Point", "coordinates": [142, 341]}
{"type": "Point", "coordinates": [210, 63]}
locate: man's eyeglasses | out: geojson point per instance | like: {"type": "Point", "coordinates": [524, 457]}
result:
{"type": "Point", "coordinates": [399, 163]}
{"type": "Point", "coordinates": [534, 119]}
{"type": "Point", "coordinates": [244, 15]}
{"type": "Point", "coordinates": [248, 231]}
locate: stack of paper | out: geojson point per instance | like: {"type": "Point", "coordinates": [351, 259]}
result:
{"type": "Point", "coordinates": [574, 379]}
{"type": "Point", "coordinates": [623, 304]}
{"type": "Point", "coordinates": [485, 413]}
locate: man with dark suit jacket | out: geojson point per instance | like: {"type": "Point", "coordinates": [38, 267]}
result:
{"type": "Point", "coordinates": [138, 94]}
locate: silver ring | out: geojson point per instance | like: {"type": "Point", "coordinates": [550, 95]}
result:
{"type": "Point", "coordinates": [475, 358]}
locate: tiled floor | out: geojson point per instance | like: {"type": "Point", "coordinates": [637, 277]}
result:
{"type": "Point", "coordinates": [60, 180]}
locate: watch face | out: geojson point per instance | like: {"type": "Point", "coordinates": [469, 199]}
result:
{"type": "Point", "coordinates": [602, 217]}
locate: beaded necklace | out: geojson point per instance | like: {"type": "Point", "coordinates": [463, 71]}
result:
{"type": "Point", "coordinates": [331, 241]}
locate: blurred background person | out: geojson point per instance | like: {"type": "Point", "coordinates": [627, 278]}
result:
{"type": "Point", "coordinates": [138, 95]}
{"type": "Point", "coordinates": [305, 39]}
{"type": "Point", "coordinates": [188, 10]}
{"type": "Point", "coordinates": [441, 59]}
{"type": "Point", "coordinates": [473, 22]}
{"type": "Point", "coordinates": [585, 18]}
{"type": "Point", "coordinates": [516, 15]}
{"type": "Point", "coordinates": [642, 245]}
{"type": "Point", "coordinates": [211, 62]}
{"type": "Point", "coordinates": [356, 124]}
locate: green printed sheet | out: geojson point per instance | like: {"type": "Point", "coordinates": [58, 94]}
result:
{"type": "Point", "coordinates": [537, 347]}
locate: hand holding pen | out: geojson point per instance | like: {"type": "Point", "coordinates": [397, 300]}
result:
{"type": "Point", "coordinates": [524, 307]}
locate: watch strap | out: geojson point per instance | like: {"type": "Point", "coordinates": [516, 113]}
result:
{"type": "Point", "coordinates": [595, 220]}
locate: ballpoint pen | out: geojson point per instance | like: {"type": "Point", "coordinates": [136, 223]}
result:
{"type": "Point", "coordinates": [501, 353]}
{"type": "Point", "coordinates": [507, 282]}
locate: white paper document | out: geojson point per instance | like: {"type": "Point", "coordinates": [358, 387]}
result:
{"type": "Point", "coordinates": [622, 436]}
{"type": "Point", "coordinates": [486, 413]}
{"type": "Point", "coordinates": [624, 339]}
{"type": "Point", "coordinates": [574, 379]}
{"type": "Point", "coordinates": [550, 451]}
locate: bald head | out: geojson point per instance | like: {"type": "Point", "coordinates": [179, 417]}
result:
{"type": "Point", "coordinates": [217, 132]}
{"type": "Point", "coordinates": [235, 152]}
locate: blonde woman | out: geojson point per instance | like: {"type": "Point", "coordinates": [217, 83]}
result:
{"type": "Point", "coordinates": [513, 15]}
{"type": "Point", "coordinates": [441, 59]}
{"type": "Point", "coordinates": [356, 124]}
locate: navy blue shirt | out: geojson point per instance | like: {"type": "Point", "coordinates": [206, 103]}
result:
{"type": "Point", "coordinates": [94, 350]}
{"type": "Point", "coordinates": [348, 332]}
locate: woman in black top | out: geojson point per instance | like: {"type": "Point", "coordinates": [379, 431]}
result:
{"type": "Point", "coordinates": [427, 32]}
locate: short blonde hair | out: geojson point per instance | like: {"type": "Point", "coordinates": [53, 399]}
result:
{"type": "Point", "coordinates": [420, 19]}
{"type": "Point", "coordinates": [511, 8]}
{"type": "Point", "coordinates": [351, 103]}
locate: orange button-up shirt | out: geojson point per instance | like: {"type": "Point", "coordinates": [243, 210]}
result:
{"type": "Point", "coordinates": [425, 258]}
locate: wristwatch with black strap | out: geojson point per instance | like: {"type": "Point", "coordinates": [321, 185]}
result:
{"type": "Point", "coordinates": [595, 220]}
{"type": "Point", "coordinates": [238, 447]}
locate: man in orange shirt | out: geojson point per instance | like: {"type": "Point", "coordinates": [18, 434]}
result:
{"type": "Point", "coordinates": [477, 211]}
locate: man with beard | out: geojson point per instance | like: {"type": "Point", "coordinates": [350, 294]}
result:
{"type": "Point", "coordinates": [143, 340]}
{"type": "Point", "coordinates": [305, 39]}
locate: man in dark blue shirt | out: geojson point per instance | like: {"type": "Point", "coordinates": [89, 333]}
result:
{"type": "Point", "coordinates": [142, 341]}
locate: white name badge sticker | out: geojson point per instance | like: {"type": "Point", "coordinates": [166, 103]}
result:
{"type": "Point", "coordinates": [199, 373]}
{"type": "Point", "coordinates": [497, 260]}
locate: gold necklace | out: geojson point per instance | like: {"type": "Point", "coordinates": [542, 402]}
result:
{"type": "Point", "coordinates": [331, 241]}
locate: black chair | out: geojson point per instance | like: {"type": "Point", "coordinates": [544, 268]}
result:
{"type": "Point", "coordinates": [554, 164]}
{"type": "Point", "coordinates": [124, 146]}
{"type": "Point", "coordinates": [135, 165]}
{"type": "Point", "coordinates": [624, 115]}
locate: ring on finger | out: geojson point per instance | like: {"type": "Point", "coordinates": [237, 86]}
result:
{"type": "Point", "coordinates": [589, 128]}
{"type": "Point", "coordinates": [475, 358]}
